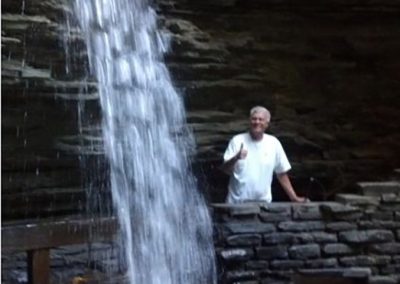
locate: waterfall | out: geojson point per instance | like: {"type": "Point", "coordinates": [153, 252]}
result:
{"type": "Point", "coordinates": [165, 227]}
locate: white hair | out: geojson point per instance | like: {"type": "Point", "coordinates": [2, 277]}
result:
{"type": "Point", "coordinates": [261, 109]}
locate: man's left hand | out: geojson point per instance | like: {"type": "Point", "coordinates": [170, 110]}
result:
{"type": "Point", "coordinates": [300, 199]}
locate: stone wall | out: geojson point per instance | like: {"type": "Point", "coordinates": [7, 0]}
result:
{"type": "Point", "coordinates": [273, 243]}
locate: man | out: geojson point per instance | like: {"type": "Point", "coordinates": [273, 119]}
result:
{"type": "Point", "coordinates": [251, 159]}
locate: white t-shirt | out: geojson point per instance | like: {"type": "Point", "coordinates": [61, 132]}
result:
{"type": "Point", "coordinates": [252, 177]}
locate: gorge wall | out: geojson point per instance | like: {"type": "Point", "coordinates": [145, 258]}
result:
{"type": "Point", "coordinates": [328, 72]}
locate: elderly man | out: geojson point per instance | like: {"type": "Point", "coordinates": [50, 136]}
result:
{"type": "Point", "coordinates": [251, 159]}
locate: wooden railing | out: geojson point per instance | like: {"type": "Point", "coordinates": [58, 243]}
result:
{"type": "Point", "coordinates": [39, 236]}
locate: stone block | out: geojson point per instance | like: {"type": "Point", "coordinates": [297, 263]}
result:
{"type": "Point", "coordinates": [305, 251]}
{"type": "Point", "coordinates": [396, 258]}
{"type": "Point", "coordinates": [287, 264]}
{"type": "Point", "coordinates": [382, 280]}
{"type": "Point", "coordinates": [244, 240]}
{"type": "Point", "coordinates": [378, 188]}
{"type": "Point", "coordinates": [273, 252]}
{"type": "Point", "coordinates": [322, 237]}
{"type": "Point", "coordinates": [337, 249]}
{"type": "Point", "coordinates": [340, 226]}
{"type": "Point", "coordinates": [366, 236]}
{"type": "Point", "coordinates": [391, 198]}
{"type": "Point", "coordinates": [382, 259]}
{"type": "Point", "coordinates": [286, 238]}
{"type": "Point", "coordinates": [252, 227]}
{"type": "Point", "coordinates": [341, 212]}
{"type": "Point", "coordinates": [379, 224]}
{"type": "Point", "coordinates": [275, 217]}
{"type": "Point", "coordinates": [386, 248]}
{"type": "Point", "coordinates": [338, 208]}
{"type": "Point", "coordinates": [277, 207]}
{"type": "Point", "coordinates": [391, 269]}
{"type": "Point", "coordinates": [354, 272]}
{"type": "Point", "coordinates": [276, 275]}
{"type": "Point", "coordinates": [364, 260]}
{"type": "Point", "coordinates": [349, 217]}
{"type": "Point", "coordinates": [357, 200]}
{"type": "Point", "coordinates": [237, 275]}
{"type": "Point", "coordinates": [305, 226]}
{"type": "Point", "coordinates": [244, 209]}
{"type": "Point", "coordinates": [322, 262]}
{"type": "Point", "coordinates": [358, 272]}
{"type": "Point", "coordinates": [381, 215]}
{"type": "Point", "coordinates": [394, 207]}
{"type": "Point", "coordinates": [256, 264]}
{"type": "Point", "coordinates": [306, 212]}
{"type": "Point", "coordinates": [236, 254]}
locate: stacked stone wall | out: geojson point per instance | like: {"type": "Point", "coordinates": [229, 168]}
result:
{"type": "Point", "coordinates": [277, 242]}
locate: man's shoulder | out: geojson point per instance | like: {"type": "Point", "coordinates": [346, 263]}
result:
{"type": "Point", "coordinates": [240, 136]}
{"type": "Point", "coordinates": [270, 137]}
{"type": "Point", "coordinates": [272, 141]}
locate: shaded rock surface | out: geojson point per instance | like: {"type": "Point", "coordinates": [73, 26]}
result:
{"type": "Point", "coordinates": [328, 72]}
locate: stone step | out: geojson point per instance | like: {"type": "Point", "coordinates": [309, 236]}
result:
{"type": "Point", "coordinates": [357, 200]}
{"type": "Point", "coordinates": [378, 188]}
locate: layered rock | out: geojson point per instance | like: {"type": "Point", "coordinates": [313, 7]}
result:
{"type": "Point", "coordinates": [329, 74]}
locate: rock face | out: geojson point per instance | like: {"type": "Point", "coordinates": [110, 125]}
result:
{"type": "Point", "coordinates": [329, 73]}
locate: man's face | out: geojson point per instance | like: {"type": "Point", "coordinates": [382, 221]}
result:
{"type": "Point", "coordinates": [258, 123]}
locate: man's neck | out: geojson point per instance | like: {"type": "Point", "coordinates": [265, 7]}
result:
{"type": "Point", "coordinates": [256, 136]}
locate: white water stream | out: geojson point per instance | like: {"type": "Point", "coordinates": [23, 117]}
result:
{"type": "Point", "coordinates": [166, 231]}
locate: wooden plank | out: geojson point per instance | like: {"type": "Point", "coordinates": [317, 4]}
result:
{"type": "Point", "coordinates": [39, 266]}
{"type": "Point", "coordinates": [48, 233]}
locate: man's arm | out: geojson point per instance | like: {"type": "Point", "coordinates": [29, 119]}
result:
{"type": "Point", "coordinates": [287, 186]}
{"type": "Point", "coordinates": [227, 167]}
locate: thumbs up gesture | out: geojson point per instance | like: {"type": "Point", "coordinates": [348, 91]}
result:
{"type": "Point", "coordinates": [242, 154]}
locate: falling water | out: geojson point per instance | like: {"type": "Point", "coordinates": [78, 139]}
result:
{"type": "Point", "coordinates": [166, 231]}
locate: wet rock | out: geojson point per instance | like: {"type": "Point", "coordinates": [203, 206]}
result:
{"type": "Point", "coordinates": [236, 254]}
{"type": "Point", "coordinates": [287, 264]}
{"type": "Point", "coordinates": [273, 252]}
{"type": "Point", "coordinates": [322, 263]}
{"type": "Point", "coordinates": [286, 238]}
{"type": "Point", "coordinates": [366, 236]}
{"type": "Point", "coordinates": [337, 249]}
{"type": "Point", "coordinates": [301, 226]}
{"type": "Point", "coordinates": [386, 248]}
{"type": "Point", "coordinates": [304, 251]}
{"type": "Point", "coordinates": [248, 227]}
{"type": "Point", "coordinates": [340, 226]}
{"type": "Point", "coordinates": [244, 240]}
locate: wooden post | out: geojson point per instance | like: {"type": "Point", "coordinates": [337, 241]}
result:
{"type": "Point", "coordinates": [39, 266]}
